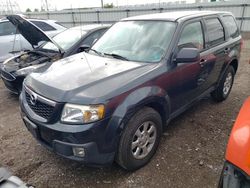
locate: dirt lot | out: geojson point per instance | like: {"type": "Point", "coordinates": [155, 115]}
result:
{"type": "Point", "coordinates": [190, 154]}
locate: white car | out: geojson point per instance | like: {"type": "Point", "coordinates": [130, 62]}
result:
{"type": "Point", "coordinates": [12, 42]}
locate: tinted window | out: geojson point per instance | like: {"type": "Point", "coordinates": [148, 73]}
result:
{"type": "Point", "coordinates": [43, 26]}
{"type": "Point", "coordinates": [215, 31]}
{"type": "Point", "coordinates": [92, 37]}
{"type": "Point", "coordinates": [231, 26]}
{"type": "Point", "coordinates": [192, 36]}
{"type": "Point", "coordinates": [6, 28]}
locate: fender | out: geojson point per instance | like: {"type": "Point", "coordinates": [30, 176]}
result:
{"type": "Point", "coordinates": [132, 103]}
{"type": "Point", "coordinates": [225, 67]}
{"type": "Point", "coordinates": [238, 149]}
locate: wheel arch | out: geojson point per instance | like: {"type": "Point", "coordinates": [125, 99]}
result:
{"type": "Point", "coordinates": [234, 63]}
{"type": "Point", "coordinates": [149, 96]}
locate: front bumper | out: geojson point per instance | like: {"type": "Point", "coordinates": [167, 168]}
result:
{"type": "Point", "coordinates": [14, 84]}
{"type": "Point", "coordinates": [62, 139]}
{"type": "Point", "coordinates": [233, 177]}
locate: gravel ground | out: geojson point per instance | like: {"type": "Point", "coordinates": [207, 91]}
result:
{"type": "Point", "coordinates": [191, 152]}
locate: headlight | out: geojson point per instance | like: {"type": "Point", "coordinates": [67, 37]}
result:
{"type": "Point", "coordinates": [28, 70]}
{"type": "Point", "coordinates": [82, 114]}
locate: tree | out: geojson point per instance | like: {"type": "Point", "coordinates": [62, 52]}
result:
{"type": "Point", "coordinates": [109, 5]}
{"type": "Point", "coordinates": [28, 10]}
{"type": "Point", "coordinates": [36, 10]}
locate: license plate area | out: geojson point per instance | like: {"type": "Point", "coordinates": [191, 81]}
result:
{"type": "Point", "coordinates": [31, 127]}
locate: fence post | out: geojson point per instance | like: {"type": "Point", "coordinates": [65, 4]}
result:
{"type": "Point", "coordinates": [242, 16]}
{"type": "Point", "coordinates": [73, 18]}
{"type": "Point", "coordinates": [98, 16]}
{"type": "Point", "coordinates": [127, 11]}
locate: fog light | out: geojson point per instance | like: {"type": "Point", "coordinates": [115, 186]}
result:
{"type": "Point", "coordinates": [78, 152]}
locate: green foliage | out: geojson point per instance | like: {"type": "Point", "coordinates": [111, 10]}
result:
{"type": "Point", "coordinates": [28, 10]}
{"type": "Point", "coordinates": [109, 5]}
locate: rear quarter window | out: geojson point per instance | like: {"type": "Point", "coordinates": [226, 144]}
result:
{"type": "Point", "coordinates": [215, 31]}
{"type": "Point", "coordinates": [230, 26]}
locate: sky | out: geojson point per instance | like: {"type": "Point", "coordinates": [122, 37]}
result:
{"type": "Point", "coordinates": [63, 4]}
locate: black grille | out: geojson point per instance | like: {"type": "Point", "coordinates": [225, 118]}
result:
{"type": "Point", "coordinates": [7, 76]}
{"type": "Point", "coordinates": [40, 108]}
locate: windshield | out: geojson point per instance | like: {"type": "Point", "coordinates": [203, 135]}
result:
{"type": "Point", "coordinates": [143, 41]}
{"type": "Point", "coordinates": [65, 39]}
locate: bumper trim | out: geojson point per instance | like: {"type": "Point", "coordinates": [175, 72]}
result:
{"type": "Point", "coordinates": [93, 157]}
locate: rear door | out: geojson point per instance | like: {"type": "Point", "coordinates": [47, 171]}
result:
{"type": "Point", "coordinates": [217, 48]}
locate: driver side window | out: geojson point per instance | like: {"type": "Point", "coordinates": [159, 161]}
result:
{"type": "Point", "coordinates": [192, 36]}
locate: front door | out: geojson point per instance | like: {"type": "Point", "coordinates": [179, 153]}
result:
{"type": "Point", "coordinates": [193, 76]}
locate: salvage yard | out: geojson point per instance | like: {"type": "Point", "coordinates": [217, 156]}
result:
{"type": "Point", "coordinates": [191, 151]}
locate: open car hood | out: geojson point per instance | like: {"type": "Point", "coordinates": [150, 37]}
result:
{"type": "Point", "coordinates": [30, 32]}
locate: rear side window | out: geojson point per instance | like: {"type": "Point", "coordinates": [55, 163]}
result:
{"type": "Point", "coordinates": [43, 26]}
{"type": "Point", "coordinates": [215, 31]}
{"type": "Point", "coordinates": [6, 28]}
{"type": "Point", "coordinates": [231, 26]}
{"type": "Point", "coordinates": [192, 36]}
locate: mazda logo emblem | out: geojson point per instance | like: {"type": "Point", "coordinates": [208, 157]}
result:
{"type": "Point", "coordinates": [33, 98]}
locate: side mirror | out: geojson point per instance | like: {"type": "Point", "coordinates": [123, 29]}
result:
{"type": "Point", "coordinates": [83, 48]}
{"type": "Point", "coordinates": [187, 55]}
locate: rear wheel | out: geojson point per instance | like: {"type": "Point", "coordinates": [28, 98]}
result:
{"type": "Point", "coordinates": [140, 139]}
{"type": "Point", "coordinates": [225, 85]}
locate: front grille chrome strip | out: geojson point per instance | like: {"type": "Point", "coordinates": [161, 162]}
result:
{"type": "Point", "coordinates": [40, 98]}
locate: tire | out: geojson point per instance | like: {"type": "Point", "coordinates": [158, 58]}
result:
{"type": "Point", "coordinates": [133, 158]}
{"type": "Point", "coordinates": [225, 85]}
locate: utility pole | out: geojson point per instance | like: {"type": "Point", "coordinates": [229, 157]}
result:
{"type": "Point", "coordinates": [47, 7]}
{"type": "Point", "coordinates": [102, 3]}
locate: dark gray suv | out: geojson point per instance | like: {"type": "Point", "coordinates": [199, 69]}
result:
{"type": "Point", "coordinates": [111, 102]}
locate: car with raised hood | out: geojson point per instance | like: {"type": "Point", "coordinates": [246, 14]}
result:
{"type": "Point", "coordinates": [111, 102]}
{"type": "Point", "coordinates": [46, 49]}
{"type": "Point", "coordinates": [12, 42]}
{"type": "Point", "coordinates": [236, 171]}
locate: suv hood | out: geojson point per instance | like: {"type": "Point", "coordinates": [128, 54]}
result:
{"type": "Point", "coordinates": [85, 76]}
{"type": "Point", "coordinates": [33, 34]}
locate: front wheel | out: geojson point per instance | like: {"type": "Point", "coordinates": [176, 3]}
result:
{"type": "Point", "coordinates": [140, 139]}
{"type": "Point", "coordinates": [225, 85]}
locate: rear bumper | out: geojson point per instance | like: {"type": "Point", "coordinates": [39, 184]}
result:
{"type": "Point", "coordinates": [233, 177]}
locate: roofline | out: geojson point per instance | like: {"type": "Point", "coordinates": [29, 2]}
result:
{"type": "Point", "coordinates": [193, 14]}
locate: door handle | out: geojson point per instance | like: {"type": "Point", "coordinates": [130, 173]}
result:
{"type": "Point", "coordinates": [226, 50]}
{"type": "Point", "coordinates": [203, 62]}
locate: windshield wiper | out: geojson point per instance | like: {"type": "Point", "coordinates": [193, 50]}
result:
{"type": "Point", "coordinates": [98, 53]}
{"type": "Point", "coordinates": [117, 56]}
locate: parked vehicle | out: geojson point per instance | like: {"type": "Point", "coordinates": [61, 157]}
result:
{"type": "Point", "coordinates": [7, 180]}
{"type": "Point", "coordinates": [111, 102]}
{"type": "Point", "coordinates": [236, 171]}
{"type": "Point", "coordinates": [66, 43]}
{"type": "Point", "coordinates": [12, 42]}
